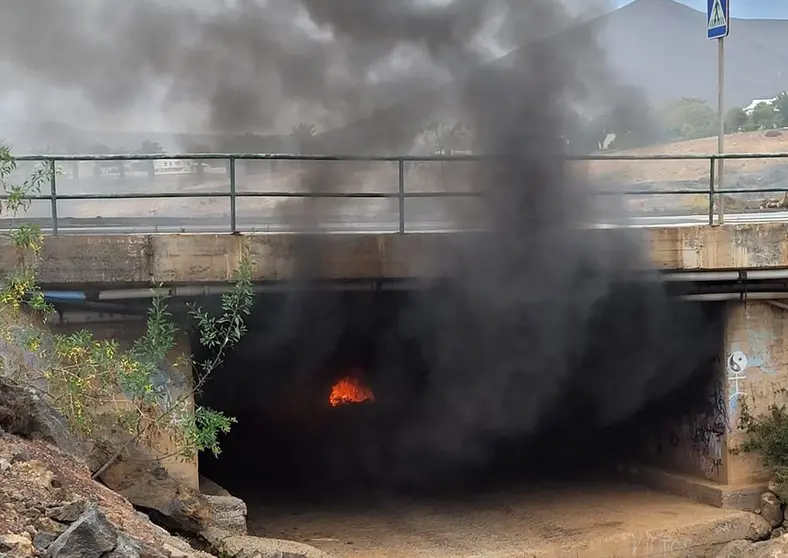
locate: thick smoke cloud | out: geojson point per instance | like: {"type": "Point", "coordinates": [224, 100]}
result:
{"type": "Point", "coordinates": [241, 64]}
{"type": "Point", "coordinates": [248, 65]}
{"type": "Point", "coordinates": [537, 320]}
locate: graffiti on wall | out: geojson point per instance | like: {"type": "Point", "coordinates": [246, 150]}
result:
{"type": "Point", "coordinates": [707, 431]}
{"type": "Point", "coordinates": [736, 366]}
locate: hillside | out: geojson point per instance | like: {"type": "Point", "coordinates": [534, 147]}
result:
{"type": "Point", "coordinates": [660, 46]}
{"type": "Point", "coordinates": [638, 172]}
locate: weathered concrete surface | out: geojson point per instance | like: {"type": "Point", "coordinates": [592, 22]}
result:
{"type": "Point", "coordinates": [240, 546]}
{"type": "Point", "coordinates": [696, 456]}
{"type": "Point", "coordinates": [741, 246]}
{"type": "Point", "coordinates": [757, 338]}
{"type": "Point", "coordinates": [212, 258]}
{"type": "Point", "coordinates": [740, 496]}
{"type": "Point", "coordinates": [555, 521]}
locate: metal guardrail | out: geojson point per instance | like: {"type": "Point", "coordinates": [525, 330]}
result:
{"type": "Point", "coordinates": [401, 195]}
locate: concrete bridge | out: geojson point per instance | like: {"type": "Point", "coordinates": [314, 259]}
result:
{"type": "Point", "coordinates": [137, 259]}
{"type": "Point", "coordinates": [743, 265]}
{"type": "Point", "coordinates": [751, 261]}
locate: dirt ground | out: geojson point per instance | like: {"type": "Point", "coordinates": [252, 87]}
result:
{"type": "Point", "coordinates": [669, 171]}
{"type": "Point", "coordinates": [600, 520]}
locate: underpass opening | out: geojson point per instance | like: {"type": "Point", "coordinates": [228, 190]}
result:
{"type": "Point", "coordinates": [333, 402]}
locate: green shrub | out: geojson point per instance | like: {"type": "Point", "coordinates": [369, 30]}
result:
{"type": "Point", "coordinates": [767, 434]}
{"type": "Point", "coordinates": [98, 386]}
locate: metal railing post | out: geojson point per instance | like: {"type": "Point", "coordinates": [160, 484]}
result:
{"type": "Point", "coordinates": [401, 195]}
{"type": "Point", "coordinates": [712, 168]}
{"type": "Point", "coordinates": [233, 214]}
{"type": "Point", "coordinates": [721, 204]}
{"type": "Point", "coordinates": [53, 194]}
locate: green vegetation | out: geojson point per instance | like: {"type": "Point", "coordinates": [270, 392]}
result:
{"type": "Point", "coordinates": [101, 388]}
{"type": "Point", "coordinates": [690, 118]}
{"type": "Point", "coordinates": [767, 434]}
{"type": "Point", "coordinates": [781, 108]}
{"type": "Point", "coordinates": [736, 120]}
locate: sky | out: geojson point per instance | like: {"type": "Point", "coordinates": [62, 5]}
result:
{"type": "Point", "coordinates": [777, 9]}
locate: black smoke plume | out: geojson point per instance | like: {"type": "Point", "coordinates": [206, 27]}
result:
{"type": "Point", "coordinates": [537, 322]}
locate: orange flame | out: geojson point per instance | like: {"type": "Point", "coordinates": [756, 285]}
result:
{"type": "Point", "coordinates": [349, 390]}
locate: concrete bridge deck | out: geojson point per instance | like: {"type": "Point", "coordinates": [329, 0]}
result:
{"type": "Point", "coordinates": [212, 258]}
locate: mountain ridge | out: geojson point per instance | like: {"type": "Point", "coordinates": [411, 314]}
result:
{"type": "Point", "coordinates": [660, 46]}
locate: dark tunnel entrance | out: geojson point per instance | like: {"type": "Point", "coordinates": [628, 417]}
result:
{"type": "Point", "coordinates": [293, 442]}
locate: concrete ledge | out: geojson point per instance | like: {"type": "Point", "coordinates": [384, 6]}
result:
{"type": "Point", "coordinates": [745, 497]}
{"type": "Point", "coordinates": [740, 246]}
{"type": "Point", "coordinates": [695, 540]}
{"type": "Point", "coordinates": [212, 258]}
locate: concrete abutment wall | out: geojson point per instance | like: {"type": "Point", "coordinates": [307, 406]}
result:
{"type": "Point", "coordinates": [755, 373]}
{"type": "Point", "coordinates": [752, 370]}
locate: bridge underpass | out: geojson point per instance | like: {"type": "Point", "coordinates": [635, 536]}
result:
{"type": "Point", "coordinates": [330, 476]}
{"type": "Point", "coordinates": [560, 482]}
{"type": "Point", "coordinates": [292, 439]}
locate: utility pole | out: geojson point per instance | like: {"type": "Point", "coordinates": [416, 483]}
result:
{"type": "Point", "coordinates": [718, 21]}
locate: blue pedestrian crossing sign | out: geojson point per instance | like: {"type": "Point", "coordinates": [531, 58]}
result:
{"type": "Point", "coordinates": [718, 18]}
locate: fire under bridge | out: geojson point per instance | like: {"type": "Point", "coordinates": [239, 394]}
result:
{"type": "Point", "coordinates": [114, 228]}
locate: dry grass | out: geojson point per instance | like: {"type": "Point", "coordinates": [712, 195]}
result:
{"type": "Point", "coordinates": [633, 172]}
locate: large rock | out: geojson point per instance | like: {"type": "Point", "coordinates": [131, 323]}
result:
{"type": "Point", "coordinates": [16, 546]}
{"type": "Point", "coordinates": [767, 549]}
{"type": "Point", "coordinates": [23, 412]}
{"type": "Point", "coordinates": [125, 548]}
{"type": "Point", "coordinates": [210, 488]}
{"type": "Point", "coordinates": [759, 529]}
{"type": "Point", "coordinates": [141, 479]}
{"type": "Point", "coordinates": [779, 488]}
{"type": "Point", "coordinates": [130, 548]}
{"type": "Point", "coordinates": [242, 546]}
{"type": "Point", "coordinates": [67, 513]}
{"type": "Point", "coordinates": [229, 513]}
{"type": "Point", "coordinates": [90, 536]}
{"type": "Point", "coordinates": [771, 509]}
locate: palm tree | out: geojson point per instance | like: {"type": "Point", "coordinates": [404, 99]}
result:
{"type": "Point", "coordinates": [303, 134]}
{"type": "Point", "coordinates": [447, 138]}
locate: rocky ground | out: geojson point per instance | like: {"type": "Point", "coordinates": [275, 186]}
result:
{"type": "Point", "coordinates": [51, 507]}
{"type": "Point", "coordinates": [772, 509]}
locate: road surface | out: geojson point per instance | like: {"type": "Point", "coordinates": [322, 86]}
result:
{"type": "Point", "coordinates": [267, 214]}
{"type": "Point", "coordinates": [150, 225]}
